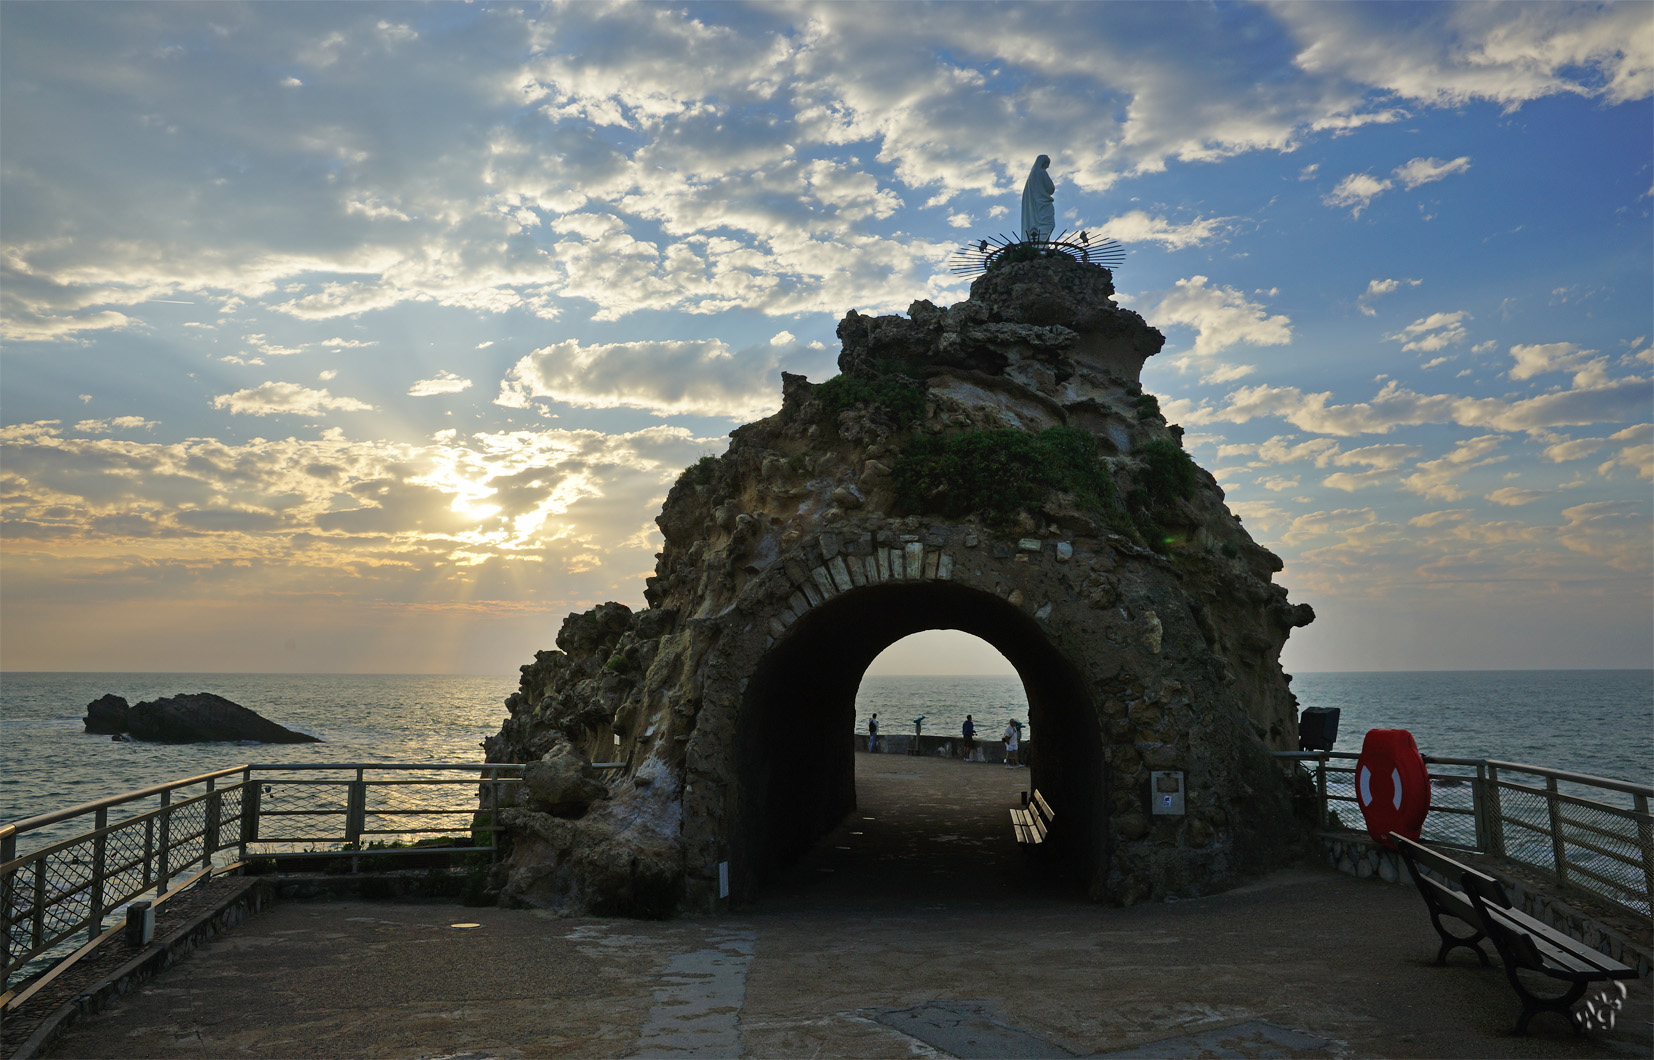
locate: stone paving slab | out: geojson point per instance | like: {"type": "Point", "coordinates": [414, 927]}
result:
{"type": "Point", "coordinates": [919, 904]}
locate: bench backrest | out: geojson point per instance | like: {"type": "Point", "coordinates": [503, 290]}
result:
{"type": "Point", "coordinates": [1417, 856]}
{"type": "Point", "coordinates": [1043, 808]}
{"type": "Point", "coordinates": [1514, 944]}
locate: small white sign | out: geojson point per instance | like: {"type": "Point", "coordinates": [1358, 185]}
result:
{"type": "Point", "coordinates": [723, 879]}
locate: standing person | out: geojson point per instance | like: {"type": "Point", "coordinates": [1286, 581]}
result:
{"type": "Point", "coordinates": [1013, 737]}
{"type": "Point", "coordinates": [969, 731]}
{"type": "Point", "coordinates": [873, 733]}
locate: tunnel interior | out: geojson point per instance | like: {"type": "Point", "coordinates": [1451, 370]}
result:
{"type": "Point", "coordinates": [796, 769]}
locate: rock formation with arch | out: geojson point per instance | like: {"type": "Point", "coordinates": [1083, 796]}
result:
{"type": "Point", "coordinates": [993, 466]}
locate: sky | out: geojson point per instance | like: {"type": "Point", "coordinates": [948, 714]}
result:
{"type": "Point", "coordinates": [369, 337]}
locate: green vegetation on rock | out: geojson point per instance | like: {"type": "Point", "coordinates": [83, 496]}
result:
{"type": "Point", "coordinates": [1001, 473]}
{"type": "Point", "coordinates": [699, 473]}
{"type": "Point", "coordinates": [892, 388]}
{"type": "Point", "coordinates": [1167, 476]}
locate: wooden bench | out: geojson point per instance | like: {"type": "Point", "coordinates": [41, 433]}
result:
{"type": "Point", "coordinates": [1032, 821]}
{"type": "Point", "coordinates": [1522, 941]}
{"type": "Point", "coordinates": [1443, 900]}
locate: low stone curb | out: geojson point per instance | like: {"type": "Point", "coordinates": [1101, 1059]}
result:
{"type": "Point", "coordinates": [247, 898]}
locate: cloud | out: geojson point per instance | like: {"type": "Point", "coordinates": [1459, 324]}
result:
{"type": "Point", "coordinates": [1137, 226]}
{"type": "Point", "coordinates": [1396, 406]}
{"type": "Point", "coordinates": [1377, 289]}
{"type": "Point", "coordinates": [444, 382]}
{"type": "Point", "coordinates": [664, 377]}
{"type": "Point", "coordinates": [1357, 190]}
{"type": "Point", "coordinates": [115, 423]}
{"type": "Point", "coordinates": [1512, 497]}
{"type": "Point", "coordinates": [1434, 478]}
{"type": "Point", "coordinates": [1419, 171]}
{"type": "Point", "coordinates": [1431, 333]}
{"type": "Point", "coordinates": [394, 522]}
{"type": "Point", "coordinates": [1547, 357]}
{"type": "Point", "coordinates": [1220, 316]}
{"type": "Point", "coordinates": [1636, 452]}
{"type": "Point", "coordinates": [268, 399]}
{"type": "Point", "coordinates": [1447, 55]}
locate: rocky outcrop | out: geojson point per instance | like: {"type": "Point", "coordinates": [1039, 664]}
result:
{"type": "Point", "coordinates": [106, 715]}
{"type": "Point", "coordinates": [199, 717]}
{"type": "Point", "coordinates": [992, 466]}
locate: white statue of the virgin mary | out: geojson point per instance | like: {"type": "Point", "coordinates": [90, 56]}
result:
{"type": "Point", "coordinates": [1039, 213]}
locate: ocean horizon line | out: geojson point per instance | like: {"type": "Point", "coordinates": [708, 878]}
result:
{"type": "Point", "coordinates": [4, 673]}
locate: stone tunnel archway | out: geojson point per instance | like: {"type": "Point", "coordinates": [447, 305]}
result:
{"type": "Point", "coordinates": [1140, 614]}
{"type": "Point", "coordinates": [796, 762]}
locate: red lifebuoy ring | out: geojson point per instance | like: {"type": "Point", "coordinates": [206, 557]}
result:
{"type": "Point", "coordinates": [1391, 784]}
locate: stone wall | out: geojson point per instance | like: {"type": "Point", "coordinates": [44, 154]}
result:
{"type": "Point", "coordinates": [1140, 615]}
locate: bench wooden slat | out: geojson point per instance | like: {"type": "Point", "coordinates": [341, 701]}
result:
{"type": "Point", "coordinates": [1031, 822]}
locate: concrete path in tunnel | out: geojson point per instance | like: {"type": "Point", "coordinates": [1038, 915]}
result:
{"type": "Point", "coordinates": [928, 937]}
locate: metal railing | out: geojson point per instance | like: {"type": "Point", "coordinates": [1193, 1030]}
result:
{"type": "Point", "coordinates": [63, 874]}
{"type": "Point", "coordinates": [1589, 832]}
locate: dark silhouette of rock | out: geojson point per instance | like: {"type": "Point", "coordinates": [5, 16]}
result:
{"type": "Point", "coordinates": [106, 715]}
{"type": "Point", "coordinates": [202, 717]}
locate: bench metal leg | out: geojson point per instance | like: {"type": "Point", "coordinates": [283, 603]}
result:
{"type": "Point", "coordinates": [1533, 1004]}
{"type": "Point", "coordinates": [1451, 942]}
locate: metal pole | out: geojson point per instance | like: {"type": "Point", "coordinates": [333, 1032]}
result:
{"type": "Point", "coordinates": [1478, 806]}
{"type": "Point", "coordinates": [249, 813]}
{"type": "Point", "coordinates": [355, 816]}
{"type": "Point", "coordinates": [1559, 851]}
{"type": "Point", "coordinates": [100, 846]}
{"type": "Point", "coordinates": [1645, 840]}
{"type": "Point", "coordinates": [163, 875]}
{"type": "Point", "coordinates": [8, 887]}
{"type": "Point", "coordinates": [1495, 813]}
{"type": "Point", "coordinates": [1321, 790]}
{"type": "Point", "coordinates": [215, 808]}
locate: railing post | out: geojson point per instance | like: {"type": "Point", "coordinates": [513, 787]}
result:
{"type": "Point", "coordinates": [494, 816]}
{"type": "Point", "coordinates": [1495, 813]}
{"type": "Point", "coordinates": [149, 852]}
{"type": "Point", "coordinates": [356, 812]}
{"type": "Point", "coordinates": [215, 808]}
{"type": "Point", "coordinates": [1559, 851]}
{"type": "Point", "coordinates": [38, 928]}
{"type": "Point", "coordinates": [1321, 810]}
{"type": "Point", "coordinates": [1478, 806]}
{"type": "Point", "coordinates": [163, 874]}
{"type": "Point", "coordinates": [1645, 840]}
{"type": "Point", "coordinates": [8, 886]}
{"type": "Point", "coordinates": [250, 802]}
{"type": "Point", "coordinates": [100, 847]}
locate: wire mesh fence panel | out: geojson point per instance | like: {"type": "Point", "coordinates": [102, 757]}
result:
{"type": "Point", "coordinates": [187, 836]}
{"type": "Point", "coordinates": [230, 808]}
{"type": "Point", "coordinates": [127, 856]}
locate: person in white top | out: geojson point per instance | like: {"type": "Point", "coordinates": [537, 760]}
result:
{"type": "Point", "coordinates": [1013, 737]}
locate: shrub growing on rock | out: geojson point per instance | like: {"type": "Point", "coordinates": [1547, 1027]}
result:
{"type": "Point", "coordinates": [1001, 473]}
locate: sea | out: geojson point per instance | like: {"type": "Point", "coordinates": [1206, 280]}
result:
{"type": "Point", "coordinates": [1598, 722]}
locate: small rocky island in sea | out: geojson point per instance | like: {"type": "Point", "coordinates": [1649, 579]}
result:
{"type": "Point", "coordinates": [196, 717]}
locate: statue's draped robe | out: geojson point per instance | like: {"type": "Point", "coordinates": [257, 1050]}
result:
{"type": "Point", "coordinates": [1039, 212]}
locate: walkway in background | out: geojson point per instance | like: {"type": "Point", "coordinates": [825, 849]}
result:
{"type": "Point", "coordinates": [927, 938]}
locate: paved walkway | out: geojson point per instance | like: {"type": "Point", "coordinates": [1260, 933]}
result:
{"type": "Point", "coordinates": [915, 930]}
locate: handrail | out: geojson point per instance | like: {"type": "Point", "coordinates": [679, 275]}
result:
{"type": "Point", "coordinates": [473, 766]}
{"type": "Point", "coordinates": [69, 886]}
{"type": "Point", "coordinates": [1629, 787]}
{"type": "Point", "coordinates": [29, 824]}
{"type": "Point", "coordinates": [1603, 844]}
